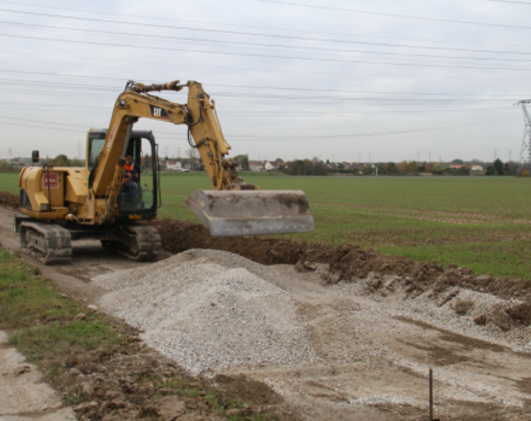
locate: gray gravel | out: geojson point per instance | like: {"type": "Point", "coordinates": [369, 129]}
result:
{"type": "Point", "coordinates": [207, 316]}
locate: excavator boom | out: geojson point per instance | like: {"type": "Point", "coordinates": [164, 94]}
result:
{"type": "Point", "coordinates": [234, 207]}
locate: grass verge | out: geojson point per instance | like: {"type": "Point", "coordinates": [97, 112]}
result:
{"type": "Point", "coordinates": [52, 329]}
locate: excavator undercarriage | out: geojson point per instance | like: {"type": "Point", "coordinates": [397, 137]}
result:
{"type": "Point", "coordinates": [51, 243]}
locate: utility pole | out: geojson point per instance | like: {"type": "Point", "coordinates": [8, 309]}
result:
{"type": "Point", "coordinates": [527, 136]}
{"type": "Point", "coordinates": [495, 154]}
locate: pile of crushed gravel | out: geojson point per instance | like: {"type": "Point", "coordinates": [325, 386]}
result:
{"type": "Point", "coordinates": [207, 310]}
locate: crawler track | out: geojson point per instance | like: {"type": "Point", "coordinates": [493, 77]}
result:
{"type": "Point", "coordinates": [49, 243]}
{"type": "Point", "coordinates": [140, 242]}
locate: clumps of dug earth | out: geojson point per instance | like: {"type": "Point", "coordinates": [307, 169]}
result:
{"type": "Point", "coordinates": [145, 386]}
{"type": "Point", "coordinates": [351, 263]}
{"type": "Point", "coordinates": [9, 200]}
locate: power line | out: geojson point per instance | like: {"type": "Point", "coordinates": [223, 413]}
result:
{"type": "Point", "coordinates": [239, 68]}
{"type": "Point", "coordinates": [283, 137]}
{"type": "Point", "coordinates": [60, 127]}
{"type": "Point", "coordinates": [247, 113]}
{"type": "Point", "coordinates": [197, 51]}
{"type": "Point", "coordinates": [266, 88]}
{"type": "Point", "coordinates": [217, 31]}
{"type": "Point", "coordinates": [368, 134]}
{"type": "Point", "coordinates": [255, 96]}
{"type": "Point", "coordinates": [312, 48]}
{"type": "Point", "coordinates": [41, 122]}
{"type": "Point", "coordinates": [508, 2]}
{"type": "Point", "coordinates": [43, 107]}
{"type": "Point", "coordinates": [393, 15]}
{"type": "Point", "coordinates": [12, 123]}
{"type": "Point", "coordinates": [232, 25]}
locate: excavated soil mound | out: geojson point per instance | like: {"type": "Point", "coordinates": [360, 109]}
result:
{"type": "Point", "coordinates": [9, 200]}
{"type": "Point", "coordinates": [350, 263]}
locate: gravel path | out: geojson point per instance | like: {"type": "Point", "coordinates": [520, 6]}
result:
{"type": "Point", "coordinates": [342, 349]}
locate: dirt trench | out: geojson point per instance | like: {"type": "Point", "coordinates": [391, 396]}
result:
{"type": "Point", "coordinates": [350, 263]}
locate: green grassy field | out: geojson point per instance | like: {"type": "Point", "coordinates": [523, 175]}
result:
{"type": "Point", "coordinates": [480, 222]}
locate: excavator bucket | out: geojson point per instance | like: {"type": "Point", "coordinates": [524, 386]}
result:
{"type": "Point", "coordinates": [250, 212]}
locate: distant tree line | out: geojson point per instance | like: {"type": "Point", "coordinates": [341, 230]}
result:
{"type": "Point", "coordinates": [499, 168]}
{"type": "Point", "coordinates": [64, 161]}
{"type": "Point", "coordinates": [317, 167]}
{"type": "Point", "coordinates": [457, 167]}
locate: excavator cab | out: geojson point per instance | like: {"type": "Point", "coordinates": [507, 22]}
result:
{"type": "Point", "coordinates": [138, 198]}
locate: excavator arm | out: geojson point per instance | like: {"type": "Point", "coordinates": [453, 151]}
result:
{"type": "Point", "coordinates": [198, 114]}
{"type": "Point", "coordinates": [234, 208]}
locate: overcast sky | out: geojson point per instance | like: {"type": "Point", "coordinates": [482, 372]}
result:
{"type": "Point", "coordinates": [343, 80]}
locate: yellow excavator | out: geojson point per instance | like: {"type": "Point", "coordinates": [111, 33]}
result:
{"type": "Point", "coordinates": [114, 196]}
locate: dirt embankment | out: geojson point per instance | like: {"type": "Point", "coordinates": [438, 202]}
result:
{"type": "Point", "coordinates": [9, 200]}
{"type": "Point", "coordinates": [349, 262]}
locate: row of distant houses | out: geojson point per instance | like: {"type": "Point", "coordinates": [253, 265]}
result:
{"type": "Point", "coordinates": [472, 168]}
{"type": "Point", "coordinates": [259, 166]}
{"type": "Point", "coordinates": [256, 166]}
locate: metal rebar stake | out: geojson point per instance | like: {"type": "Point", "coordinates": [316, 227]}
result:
{"type": "Point", "coordinates": [431, 394]}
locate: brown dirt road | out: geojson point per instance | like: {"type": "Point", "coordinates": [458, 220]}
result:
{"type": "Point", "coordinates": [376, 323]}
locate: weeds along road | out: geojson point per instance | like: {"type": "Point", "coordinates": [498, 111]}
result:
{"type": "Point", "coordinates": [372, 342]}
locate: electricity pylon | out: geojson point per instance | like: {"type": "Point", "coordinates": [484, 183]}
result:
{"type": "Point", "coordinates": [525, 162]}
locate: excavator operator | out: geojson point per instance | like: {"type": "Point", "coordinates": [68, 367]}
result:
{"type": "Point", "coordinates": [130, 184]}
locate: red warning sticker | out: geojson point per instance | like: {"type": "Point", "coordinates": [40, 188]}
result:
{"type": "Point", "coordinates": [50, 180]}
